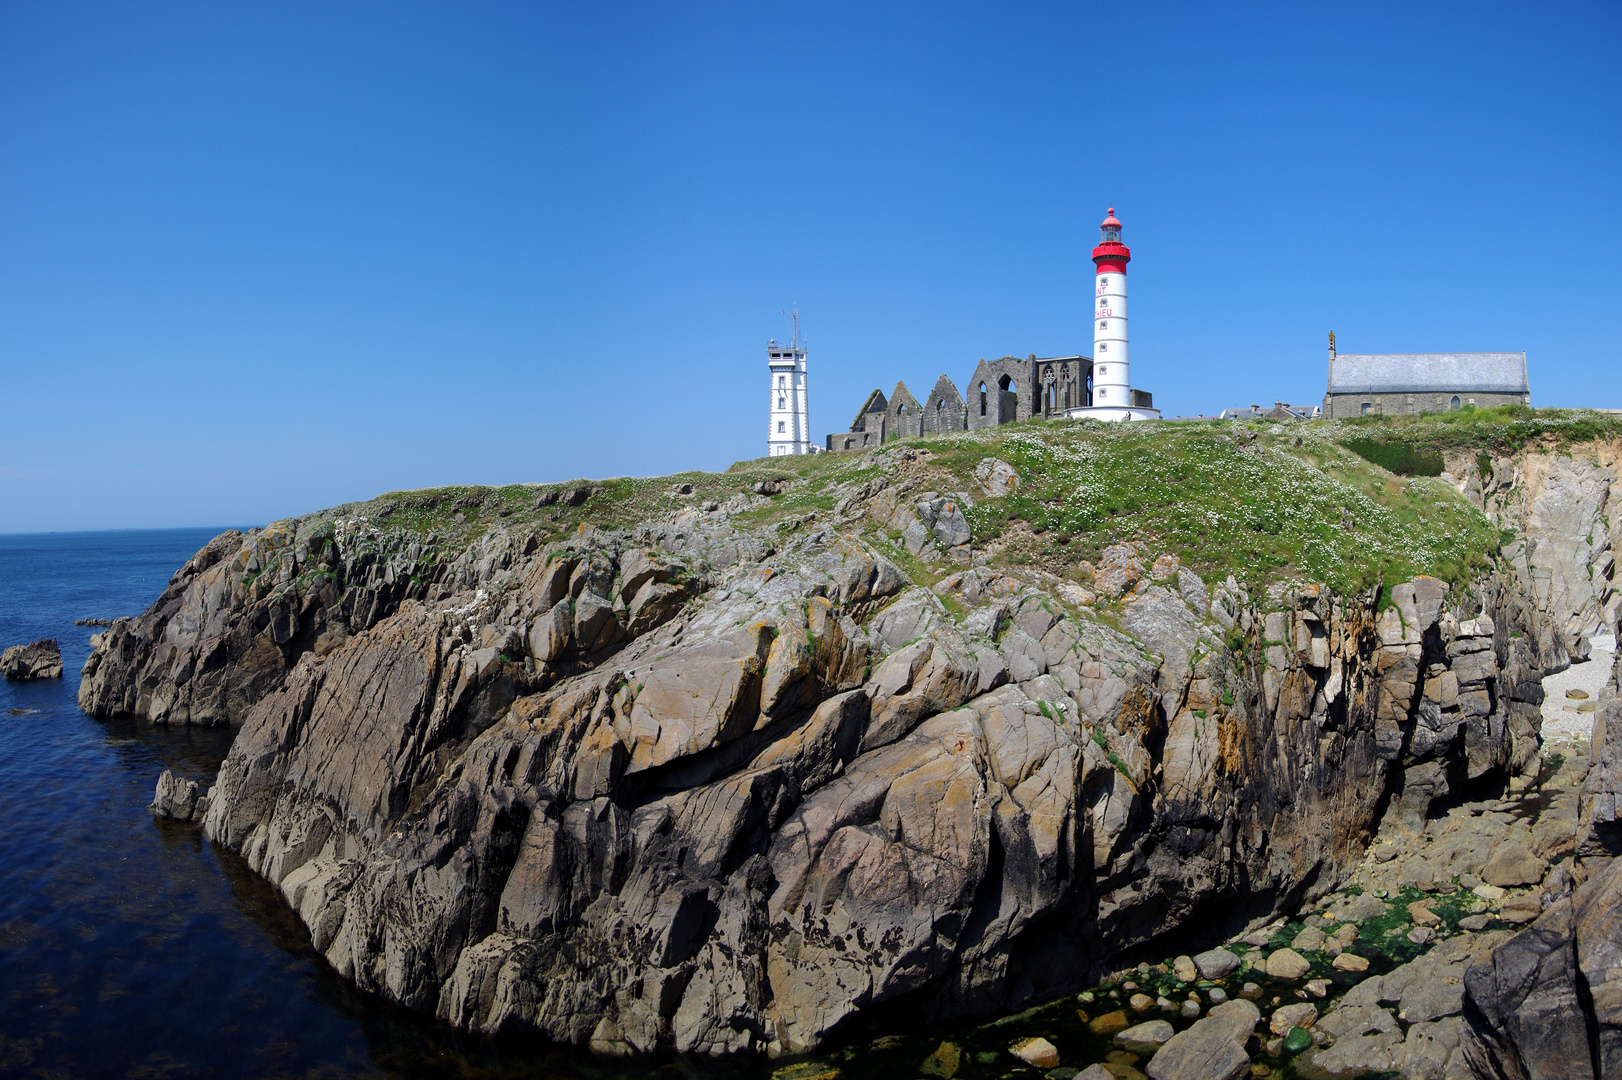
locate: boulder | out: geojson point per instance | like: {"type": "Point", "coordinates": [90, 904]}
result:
{"type": "Point", "coordinates": [40, 660]}
{"type": "Point", "coordinates": [1300, 1014]}
{"type": "Point", "coordinates": [1350, 962]}
{"type": "Point", "coordinates": [1216, 964]}
{"type": "Point", "coordinates": [1145, 1038]}
{"type": "Point", "coordinates": [1109, 1023]}
{"type": "Point", "coordinates": [1514, 865]}
{"type": "Point", "coordinates": [1420, 914]}
{"type": "Point", "coordinates": [1036, 1051]}
{"type": "Point", "coordinates": [1184, 968]}
{"type": "Point", "coordinates": [1417, 872]}
{"type": "Point", "coordinates": [944, 1062]}
{"type": "Point", "coordinates": [1213, 1049]}
{"type": "Point", "coordinates": [1521, 909]}
{"type": "Point", "coordinates": [1287, 964]}
{"type": "Point", "coordinates": [997, 478]}
{"type": "Point", "coordinates": [1310, 939]}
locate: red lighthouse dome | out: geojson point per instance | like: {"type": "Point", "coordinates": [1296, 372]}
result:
{"type": "Point", "coordinates": [1111, 254]}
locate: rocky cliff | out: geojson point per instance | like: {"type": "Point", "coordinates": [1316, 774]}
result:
{"type": "Point", "coordinates": [242, 612]}
{"type": "Point", "coordinates": [730, 774]}
{"type": "Point", "coordinates": [1548, 1003]}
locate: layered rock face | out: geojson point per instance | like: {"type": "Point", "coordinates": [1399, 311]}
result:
{"type": "Point", "coordinates": [238, 616]}
{"type": "Point", "coordinates": [1548, 1003]}
{"type": "Point", "coordinates": [1562, 508]}
{"type": "Point", "coordinates": [41, 660]}
{"type": "Point", "coordinates": [689, 787]}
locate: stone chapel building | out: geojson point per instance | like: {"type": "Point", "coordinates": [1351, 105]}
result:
{"type": "Point", "coordinates": [1373, 384]}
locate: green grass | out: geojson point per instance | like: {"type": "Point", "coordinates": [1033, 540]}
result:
{"type": "Point", "coordinates": [1345, 504]}
{"type": "Point", "coordinates": [1225, 499]}
{"type": "Point", "coordinates": [1398, 457]}
{"type": "Point", "coordinates": [1504, 429]}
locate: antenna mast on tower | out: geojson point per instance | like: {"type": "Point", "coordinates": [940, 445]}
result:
{"type": "Point", "coordinates": [795, 317]}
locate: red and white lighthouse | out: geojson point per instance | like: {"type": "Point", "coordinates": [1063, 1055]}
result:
{"type": "Point", "coordinates": [1112, 367]}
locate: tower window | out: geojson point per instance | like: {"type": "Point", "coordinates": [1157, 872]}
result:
{"type": "Point", "coordinates": [1103, 369]}
{"type": "Point", "coordinates": [780, 427]}
{"type": "Point", "coordinates": [1103, 346]}
{"type": "Point", "coordinates": [1103, 391]}
{"type": "Point", "coordinates": [1103, 324]}
{"type": "Point", "coordinates": [782, 402]}
{"type": "Point", "coordinates": [780, 380]}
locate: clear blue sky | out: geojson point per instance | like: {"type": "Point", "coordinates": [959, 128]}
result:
{"type": "Point", "coordinates": [257, 259]}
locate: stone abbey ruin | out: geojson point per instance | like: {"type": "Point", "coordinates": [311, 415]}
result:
{"type": "Point", "coordinates": [1003, 391]}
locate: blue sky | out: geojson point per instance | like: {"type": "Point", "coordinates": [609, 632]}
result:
{"type": "Point", "coordinates": [259, 259]}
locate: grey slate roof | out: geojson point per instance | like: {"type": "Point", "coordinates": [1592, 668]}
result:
{"type": "Point", "coordinates": [1408, 373]}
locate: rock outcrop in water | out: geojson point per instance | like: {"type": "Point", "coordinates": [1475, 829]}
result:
{"type": "Point", "coordinates": [178, 799]}
{"type": "Point", "coordinates": [40, 660]}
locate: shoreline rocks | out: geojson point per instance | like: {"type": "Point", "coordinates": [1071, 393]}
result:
{"type": "Point", "coordinates": [178, 800]}
{"type": "Point", "coordinates": [26, 663]}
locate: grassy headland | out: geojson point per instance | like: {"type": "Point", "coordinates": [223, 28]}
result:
{"type": "Point", "coordinates": [1344, 503]}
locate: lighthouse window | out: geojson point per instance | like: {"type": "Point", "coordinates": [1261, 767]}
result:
{"type": "Point", "coordinates": [1103, 391]}
{"type": "Point", "coordinates": [1103, 346]}
{"type": "Point", "coordinates": [1103, 370]}
{"type": "Point", "coordinates": [780, 427]}
{"type": "Point", "coordinates": [1103, 324]}
{"type": "Point", "coordinates": [782, 402]}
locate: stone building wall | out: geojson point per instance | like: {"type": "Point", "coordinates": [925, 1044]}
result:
{"type": "Point", "coordinates": [943, 410]}
{"type": "Point", "coordinates": [904, 415]}
{"type": "Point", "coordinates": [1010, 391]}
{"type": "Point", "coordinates": [857, 440]}
{"type": "Point", "coordinates": [1341, 406]}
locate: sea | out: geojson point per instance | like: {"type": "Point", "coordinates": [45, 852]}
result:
{"type": "Point", "coordinates": [131, 947]}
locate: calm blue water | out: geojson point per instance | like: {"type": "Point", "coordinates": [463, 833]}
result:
{"type": "Point", "coordinates": [132, 948]}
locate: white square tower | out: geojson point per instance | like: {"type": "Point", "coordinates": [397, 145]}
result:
{"type": "Point", "coordinates": [789, 427]}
